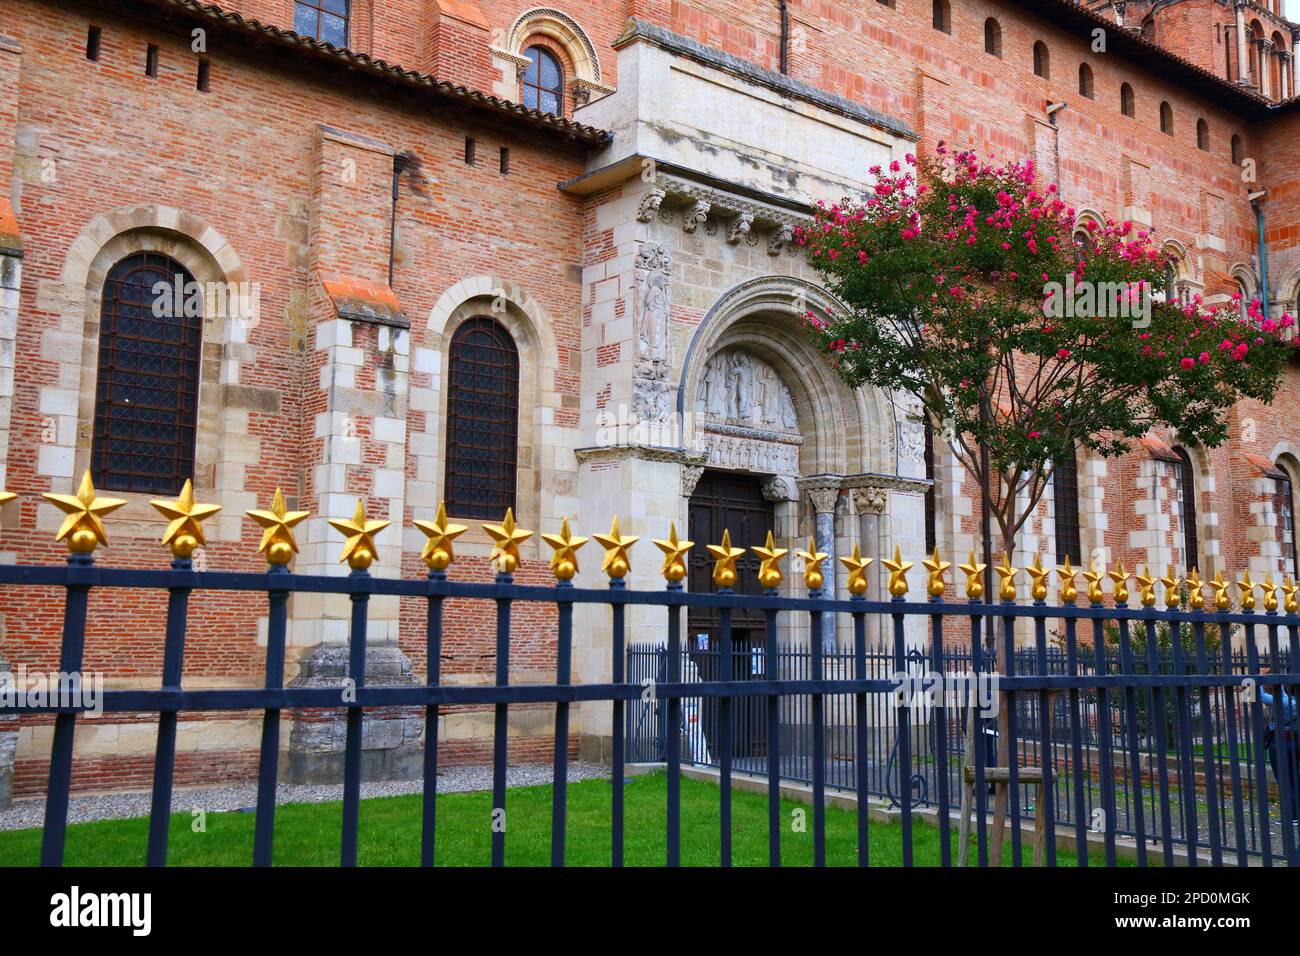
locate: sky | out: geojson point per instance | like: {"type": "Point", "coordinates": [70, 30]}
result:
{"type": "Point", "coordinates": [1291, 10]}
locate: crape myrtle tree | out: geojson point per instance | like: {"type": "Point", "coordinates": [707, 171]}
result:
{"type": "Point", "coordinates": [963, 284]}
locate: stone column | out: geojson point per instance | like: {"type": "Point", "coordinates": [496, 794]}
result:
{"type": "Point", "coordinates": [869, 503]}
{"type": "Point", "coordinates": [1243, 73]}
{"type": "Point", "coordinates": [1284, 60]}
{"type": "Point", "coordinates": [823, 493]}
{"type": "Point", "coordinates": [1265, 52]}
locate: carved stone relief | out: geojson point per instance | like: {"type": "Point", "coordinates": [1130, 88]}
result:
{"type": "Point", "coordinates": [911, 429]}
{"type": "Point", "coordinates": [739, 389]}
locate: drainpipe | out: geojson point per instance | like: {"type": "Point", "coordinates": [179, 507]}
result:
{"type": "Point", "coordinates": [401, 162]}
{"type": "Point", "coordinates": [785, 37]}
{"type": "Point", "coordinates": [1258, 203]}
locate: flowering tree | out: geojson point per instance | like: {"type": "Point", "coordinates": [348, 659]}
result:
{"type": "Point", "coordinates": [964, 285]}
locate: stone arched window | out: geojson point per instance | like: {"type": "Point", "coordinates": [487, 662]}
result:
{"type": "Point", "coordinates": [147, 378]}
{"type": "Point", "coordinates": [992, 37]}
{"type": "Point", "coordinates": [543, 81]}
{"type": "Point", "coordinates": [558, 33]}
{"type": "Point", "coordinates": [1085, 80]}
{"type": "Point", "coordinates": [1127, 102]}
{"type": "Point", "coordinates": [1065, 506]}
{"type": "Point", "coordinates": [1185, 482]}
{"type": "Point", "coordinates": [1237, 152]}
{"type": "Point", "coordinates": [1284, 508]}
{"type": "Point", "coordinates": [941, 17]}
{"type": "Point", "coordinates": [1042, 60]}
{"type": "Point", "coordinates": [1166, 118]}
{"type": "Point", "coordinates": [325, 20]}
{"type": "Point", "coordinates": [482, 420]}
{"type": "Point", "coordinates": [1202, 135]}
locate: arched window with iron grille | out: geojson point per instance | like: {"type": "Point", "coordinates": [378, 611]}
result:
{"type": "Point", "coordinates": [1285, 508]}
{"type": "Point", "coordinates": [1065, 506]}
{"type": "Point", "coordinates": [482, 420]}
{"type": "Point", "coordinates": [147, 381]}
{"type": "Point", "coordinates": [931, 499]}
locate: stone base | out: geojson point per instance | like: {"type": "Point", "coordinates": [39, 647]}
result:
{"type": "Point", "coordinates": [8, 745]}
{"type": "Point", "coordinates": [391, 737]}
{"type": "Point", "coordinates": [595, 748]}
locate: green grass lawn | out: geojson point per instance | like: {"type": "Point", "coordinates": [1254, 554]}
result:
{"type": "Point", "coordinates": [308, 834]}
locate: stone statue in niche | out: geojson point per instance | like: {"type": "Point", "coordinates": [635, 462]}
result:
{"type": "Point", "coordinates": [652, 271]}
{"type": "Point", "coordinates": [911, 428]}
{"type": "Point", "coordinates": [739, 389]}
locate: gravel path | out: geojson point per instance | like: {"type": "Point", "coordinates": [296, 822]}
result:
{"type": "Point", "coordinates": [30, 812]}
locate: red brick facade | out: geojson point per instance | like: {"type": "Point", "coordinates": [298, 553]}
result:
{"type": "Point", "coordinates": [287, 159]}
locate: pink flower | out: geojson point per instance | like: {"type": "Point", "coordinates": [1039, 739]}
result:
{"type": "Point", "coordinates": [1063, 353]}
{"type": "Point", "coordinates": [1187, 363]}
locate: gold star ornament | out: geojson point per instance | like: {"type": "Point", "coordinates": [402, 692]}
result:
{"type": "Point", "coordinates": [812, 565]}
{"type": "Point", "coordinates": [506, 538]}
{"type": "Point", "coordinates": [617, 561]}
{"type": "Point", "coordinates": [1222, 600]}
{"type": "Point", "coordinates": [1247, 588]}
{"type": "Point", "coordinates": [277, 530]}
{"type": "Point", "coordinates": [1288, 595]}
{"type": "Point", "coordinates": [1007, 589]}
{"type": "Point", "coordinates": [1195, 594]}
{"type": "Point", "coordinates": [1270, 592]}
{"type": "Point", "coordinates": [439, 534]}
{"type": "Point", "coordinates": [769, 570]}
{"type": "Point", "coordinates": [974, 572]}
{"type": "Point", "coordinates": [898, 569]}
{"type": "Point", "coordinates": [935, 566]}
{"type": "Point", "coordinates": [1147, 584]}
{"type": "Point", "coordinates": [1038, 579]}
{"type": "Point", "coordinates": [359, 549]}
{"type": "Point", "coordinates": [1094, 578]}
{"type": "Point", "coordinates": [83, 528]}
{"type": "Point", "coordinates": [675, 551]}
{"type": "Point", "coordinates": [564, 551]}
{"type": "Point", "coordinates": [857, 566]}
{"type": "Point", "coordinates": [1120, 577]}
{"type": "Point", "coordinates": [1170, 582]}
{"type": "Point", "coordinates": [724, 561]}
{"type": "Point", "coordinates": [1069, 587]}
{"type": "Point", "coordinates": [184, 521]}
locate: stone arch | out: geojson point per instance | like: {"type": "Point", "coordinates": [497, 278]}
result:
{"type": "Point", "coordinates": [227, 319]}
{"type": "Point", "coordinates": [1081, 221]}
{"type": "Point", "coordinates": [532, 330]}
{"type": "Point", "coordinates": [846, 431]}
{"type": "Point", "coordinates": [563, 31]}
{"type": "Point", "coordinates": [1287, 292]}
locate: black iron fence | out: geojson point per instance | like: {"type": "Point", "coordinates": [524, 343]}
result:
{"type": "Point", "coordinates": [1131, 738]}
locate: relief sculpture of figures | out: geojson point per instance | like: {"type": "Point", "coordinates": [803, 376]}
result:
{"type": "Point", "coordinates": [653, 267]}
{"type": "Point", "coordinates": [739, 389]}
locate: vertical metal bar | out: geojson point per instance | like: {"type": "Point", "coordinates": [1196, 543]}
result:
{"type": "Point", "coordinates": [1186, 759]}
{"type": "Point", "coordinates": [433, 675]}
{"type": "Point", "coordinates": [563, 675]}
{"type": "Point", "coordinates": [617, 778]}
{"type": "Point", "coordinates": [770, 665]}
{"type": "Point", "coordinates": [1209, 746]}
{"type": "Point", "coordinates": [1234, 758]}
{"type": "Point", "coordinates": [356, 716]}
{"type": "Point", "coordinates": [1048, 810]}
{"type": "Point", "coordinates": [79, 576]}
{"type": "Point", "coordinates": [940, 720]}
{"type": "Point", "coordinates": [164, 762]}
{"type": "Point", "coordinates": [1012, 742]}
{"type": "Point", "coordinates": [860, 734]}
{"type": "Point", "coordinates": [1105, 760]}
{"type": "Point", "coordinates": [674, 731]}
{"type": "Point", "coordinates": [818, 747]}
{"type": "Point", "coordinates": [1257, 751]}
{"type": "Point", "coordinates": [1283, 771]}
{"type": "Point", "coordinates": [977, 740]}
{"type": "Point", "coordinates": [269, 755]}
{"type": "Point", "coordinates": [724, 734]}
{"type": "Point", "coordinates": [1129, 671]}
{"type": "Point", "coordinates": [904, 731]}
{"type": "Point", "coordinates": [500, 728]}
{"type": "Point", "coordinates": [1078, 772]}
{"type": "Point", "coordinates": [1157, 715]}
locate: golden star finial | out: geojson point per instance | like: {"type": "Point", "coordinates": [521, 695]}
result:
{"type": "Point", "coordinates": [1288, 595]}
{"type": "Point", "coordinates": [1270, 592]}
{"type": "Point", "coordinates": [769, 570]}
{"type": "Point", "coordinates": [724, 561]}
{"type": "Point", "coordinates": [277, 534]}
{"type": "Point", "coordinates": [564, 557]}
{"type": "Point", "coordinates": [1094, 578]}
{"type": "Point", "coordinates": [812, 565]}
{"type": "Point", "coordinates": [1069, 589]}
{"type": "Point", "coordinates": [857, 566]}
{"type": "Point", "coordinates": [1222, 601]}
{"type": "Point", "coordinates": [675, 551]}
{"type": "Point", "coordinates": [898, 569]}
{"type": "Point", "coordinates": [359, 549]}
{"type": "Point", "coordinates": [506, 538]}
{"type": "Point", "coordinates": [936, 566]}
{"type": "Point", "coordinates": [1120, 577]}
{"type": "Point", "coordinates": [438, 554]}
{"type": "Point", "coordinates": [184, 521]}
{"type": "Point", "coordinates": [1247, 587]}
{"type": "Point", "coordinates": [1170, 583]}
{"type": "Point", "coordinates": [1007, 589]}
{"type": "Point", "coordinates": [1195, 596]}
{"type": "Point", "coordinates": [617, 561]}
{"type": "Point", "coordinates": [1147, 588]}
{"type": "Point", "coordinates": [83, 527]}
{"type": "Point", "coordinates": [1038, 575]}
{"type": "Point", "coordinates": [974, 572]}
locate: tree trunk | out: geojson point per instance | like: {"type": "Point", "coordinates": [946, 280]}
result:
{"type": "Point", "coordinates": [997, 633]}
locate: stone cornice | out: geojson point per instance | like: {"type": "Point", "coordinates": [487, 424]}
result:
{"type": "Point", "coordinates": [888, 482]}
{"type": "Point", "coordinates": [679, 456]}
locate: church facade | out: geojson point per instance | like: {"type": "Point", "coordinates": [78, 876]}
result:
{"type": "Point", "coordinates": [544, 258]}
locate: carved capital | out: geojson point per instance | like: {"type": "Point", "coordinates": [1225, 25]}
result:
{"type": "Point", "coordinates": [782, 236]}
{"type": "Point", "coordinates": [650, 204]}
{"type": "Point", "coordinates": [870, 501]}
{"type": "Point", "coordinates": [691, 475]}
{"type": "Point", "coordinates": [780, 488]}
{"type": "Point", "coordinates": [740, 227]}
{"type": "Point", "coordinates": [695, 215]}
{"type": "Point", "coordinates": [824, 499]}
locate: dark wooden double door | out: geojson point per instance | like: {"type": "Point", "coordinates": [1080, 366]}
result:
{"type": "Point", "coordinates": [735, 503]}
